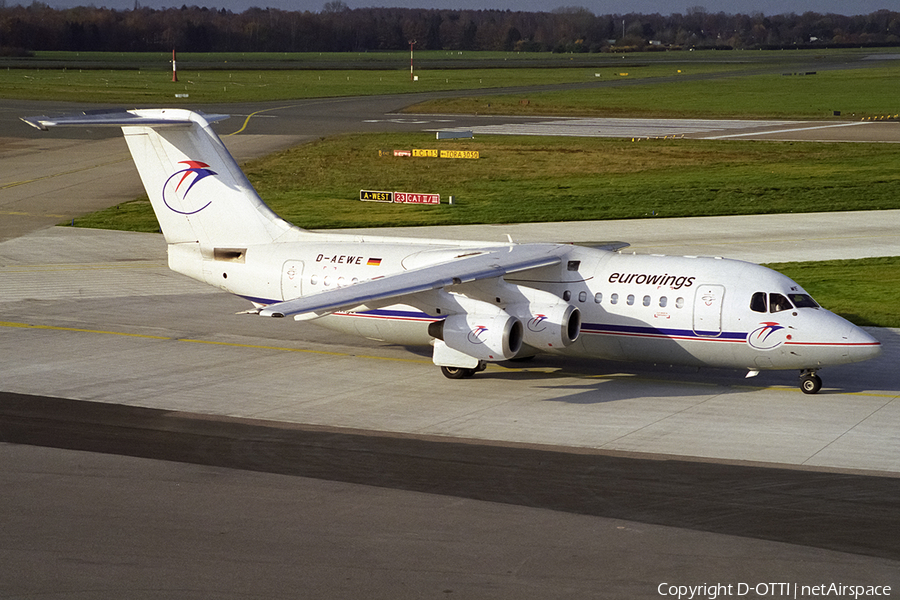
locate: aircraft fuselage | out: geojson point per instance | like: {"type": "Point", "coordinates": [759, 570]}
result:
{"type": "Point", "coordinates": [700, 311]}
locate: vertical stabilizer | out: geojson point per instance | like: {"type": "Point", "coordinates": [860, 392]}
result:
{"type": "Point", "coordinates": [197, 190]}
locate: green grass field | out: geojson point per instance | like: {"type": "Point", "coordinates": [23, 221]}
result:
{"type": "Point", "coordinates": [144, 79]}
{"type": "Point", "coordinates": [856, 94]}
{"type": "Point", "coordinates": [531, 179]}
{"type": "Point", "coordinates": [153, 87]}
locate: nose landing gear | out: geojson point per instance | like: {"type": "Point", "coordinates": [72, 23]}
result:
{"type": "Point", "coordinates": [810, 383]}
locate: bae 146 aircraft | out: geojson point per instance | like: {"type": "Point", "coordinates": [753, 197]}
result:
{"type": "Point", "coordinates": [473, 302]}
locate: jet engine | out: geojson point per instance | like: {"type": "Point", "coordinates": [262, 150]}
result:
{"type": "Point", "coordinates": [493, 337]}
{"type": "Point", "coordinates": [548, 325]}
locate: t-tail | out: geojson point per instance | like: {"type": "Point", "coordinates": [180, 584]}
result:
{"type": "Point", "coordinates": [199, 194]}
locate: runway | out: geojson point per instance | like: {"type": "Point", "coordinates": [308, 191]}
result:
{"type": "Point", "coordinates": [250, 457]}
{"type": "Point", "coordinates": [702, 129]}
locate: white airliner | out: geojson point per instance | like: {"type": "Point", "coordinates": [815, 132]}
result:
{"type": "Point", "coordinates": [474, 302]}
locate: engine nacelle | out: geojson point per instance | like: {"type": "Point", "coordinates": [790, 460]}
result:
{"type": "Point", "coordinates": [548, 325]}
{"type": "Point", "coordinates": [485, 337]}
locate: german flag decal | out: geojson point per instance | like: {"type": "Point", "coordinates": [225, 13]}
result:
{"type": "Point", "coordinates": [374, 262]}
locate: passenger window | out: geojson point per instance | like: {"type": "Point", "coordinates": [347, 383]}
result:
{"type": "Point", "coordinates": [646, 300]}
{"type": "Point", "coordinates": [598, 298]}
{"type": "Point", "coordinates": [778, 303]}
{"type": "Point", "coordinates": [679, 302]}
{"type": "Point", "coordinates": [663, 301]}
{"type": "Point", "coordinates": [630, 299]}
{"type": "Point", "coordinates": [582, 296]}
{"type": "Point", "coordinates": [614, 299]}
{"type": "Point", "coordinates": [567, 295]}
{"type": "Point", "coordinates": [758, 302]}
{"type": "Point", "coordinates": [313, 279]}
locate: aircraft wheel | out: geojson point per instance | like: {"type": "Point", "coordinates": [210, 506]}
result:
{"type": "Point", "coordinates": [457, 372]}
{"type": "Point", "coordinates": [810, 383]}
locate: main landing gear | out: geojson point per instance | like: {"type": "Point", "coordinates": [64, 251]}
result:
{"type": "Point", "coordinates": [810, 383]}
{"type": "Point", "coordinates": [461, 372]}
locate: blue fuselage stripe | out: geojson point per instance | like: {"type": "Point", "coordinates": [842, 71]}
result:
{"type": "Point", "coordinates": [633, 330]}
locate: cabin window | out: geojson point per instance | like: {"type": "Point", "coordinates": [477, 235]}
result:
{"type": "Point", "coordinates": [598, 298]}
{"type": "Point", "coordinates": [758, 302]}
{"type": "Point", "coordinates": [313, 279]}
{"type": "Point", "coordinates": [663, 301]}
{"type": "Point", "coordinates": [630, 299]}
{"type": "Point", "coordinates": [614, 299]}
{"type": "Point", "coordinates": [582, 296]}
{"type": "Point", "coordinates": [567, 295]}
{"type": "Point", "coordinates": [679, 302]}
{"type": "Point", "coordinates": [646, 300]}
{"type": "Point", "coordinates": [778, 303]}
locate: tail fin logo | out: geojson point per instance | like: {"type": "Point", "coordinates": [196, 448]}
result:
{"type": "Point", "coordinates": [177, 188]}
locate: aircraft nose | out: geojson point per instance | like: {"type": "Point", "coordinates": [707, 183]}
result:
{"type": "Point", "coordinates": [862, 345]}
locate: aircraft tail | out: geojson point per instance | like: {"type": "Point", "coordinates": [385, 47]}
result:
{"type": "Point", "coordinates": [198, 192]}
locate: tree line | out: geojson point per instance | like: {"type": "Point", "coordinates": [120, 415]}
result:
{"type": "Point", "coordinates": [337, 28]}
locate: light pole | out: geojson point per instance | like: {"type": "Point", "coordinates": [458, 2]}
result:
{"type": "Point", "coordinates": [411, 44]}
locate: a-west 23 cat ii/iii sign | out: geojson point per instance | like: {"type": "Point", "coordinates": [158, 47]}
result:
{"type": "Point", "coordinates": [399, 197]}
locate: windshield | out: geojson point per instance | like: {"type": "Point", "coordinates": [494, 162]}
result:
{"type": "Point", "coordinates": [803, 301]}
{"type": "Point", "coordinates": [774, 302]}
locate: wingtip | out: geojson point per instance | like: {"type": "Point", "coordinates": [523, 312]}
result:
{"type": "Point", "coordinates": [36, 122]}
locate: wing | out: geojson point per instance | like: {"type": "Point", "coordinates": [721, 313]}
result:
{"type": "Point", "coordinates": [610, 246]}
{"type": "Point", "coordinates": [485, 264]}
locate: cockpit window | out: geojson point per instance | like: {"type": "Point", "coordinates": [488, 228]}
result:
{"type": "Point", "coordinates": [761, 302]}
{"type": "Point", "coordinates": [803, 301]}
{"type": "Point", "coordinates": [758, 302]}
{"type": "Point", "coordinates": [778, 303]}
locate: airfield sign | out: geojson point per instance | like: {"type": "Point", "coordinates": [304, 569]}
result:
{"type": "Point", "coordinates": [399, 197]}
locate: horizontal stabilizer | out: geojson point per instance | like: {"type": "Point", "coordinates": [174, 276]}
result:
{"type": "Point", "coordinates": [493, 262]}
{"type": "Point", "coordinates": [118, 118]}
